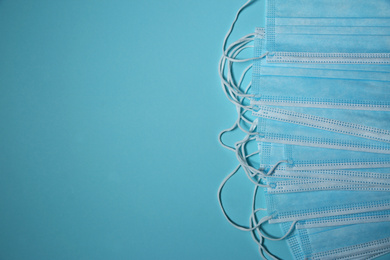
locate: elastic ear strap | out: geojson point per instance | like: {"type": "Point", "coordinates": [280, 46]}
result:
{"type": "Point", "coordinates": [231, 90]}
{"type": "Point", "coordinates": [234, 22]}
{"type": "Point", "coordinates": [234, 93]}
{"type": "Point", "coordinates": [228, 84]}
{"type": "Point", "coordinates": [259, 239]}
{"type": "Point", "coordinates": [272, 170]}
{"type": "Point", "coordinates": [230, 73]}
{"type": "Point", "coordinates": [238, 226]}
{"type": "Point", "coordinates": [236, 124]}
{"type": "Point", "coordinates": [266, 219]}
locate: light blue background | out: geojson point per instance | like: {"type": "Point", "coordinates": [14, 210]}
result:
{"type": "Point", "coordinates": [110, 112]}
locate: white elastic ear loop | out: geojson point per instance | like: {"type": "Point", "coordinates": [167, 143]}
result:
{"type": "Point", "coordinates": [230, 31]}
{"type": "Point", "coordinates": [244, 41]}
{"type": "Point", "coordinates": [259, 241]}
{"type": "Point", "coordinates": [240, 227]}
{"type": "Point", "coordinates": [242, 78]}
{"type": "Point", "coordinates": [242, 112]}
{"type": "Point", "coordinates": [232, 48]}
{"type": "Point", "coordinates": [246, 38]}
{"type": "Point", "coordinates": [245, 60]}
{"type": "Point", "coordinates": [236, 87]}
{"type": "Point", "coordinates": [244, 119]}
{"type": "Point", "coordinates": [228, 84]}
{"type": "Point", "coordinates": [236, 124]}
{"type": "Point", "coordinates": [231, 90]}
{"type": "Point", "coordinates": [234, 22]}
{"type": "Point", "coordinates": [266, 219]}
{"type": "Point", "coordinates": [271, 171]}
{"type": "Point", "coordinates": [242, 158]}
{"type": "Point", "coordinates": [250, 171]}
{"type": "Point", "coordinates": [226, 131]}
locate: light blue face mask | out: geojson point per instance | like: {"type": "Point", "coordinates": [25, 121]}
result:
{"type": "Point", "coordinates": [304, 181]}
{"type": "Point", "coordinates": [344, 242]}
{"type": "Point", "coordinates": [304, 202]}
{"type": "Point", "coordinates": [284, 207]}
{"type": "Point", "coordinates": [276, 124]}
{"type": "Point", "coordinates": [274, 131]}
{"type": "Point", "coordinates": [348, 219]}
{"type": "Point", "coordinates": [348, 31]}
{"type": "Point", "coordinates": [327, 146]}
{"type": "Point", "coordinates": [298, 157]}
{"type": "Point", "coordinates": [288, 201]}
{"type": "Point", "coordinates": [278, 84]}
{"type": "Point", "coordinates": [315, 204]}
{"type": "Point", "coordinates": [326, 86]}
{"type": "Point", "coordinates": [372, 125]}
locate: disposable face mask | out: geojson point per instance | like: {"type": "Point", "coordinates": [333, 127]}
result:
{"type": "Point", "coordinates": [313, 204]}
{"type": "Point", "coordinates": [332, 182]}
{"type": "Point", "coordinates": [285, 181]}
{"type": "Point", "coordinates": [341, 141]}
{"type": "Point", "coordinates": [298, 157]}
{"type": "Point", "coordinates": [344, 242]}
{"type": "Point", "coordinates": [274, 131]}
{"type": "Point", "coordinates": [340, 242]}
{"type": "Point", "coordinates": [373, 125]}
{"type": "Point", "coordinates": [318, 87]}
{"type": "Point", "coordinates": [351, 30]}
{"type": "Point", "coordinates": [292, 84]}
{"type": "Point", "coordinates": [348, 219]}
{"type": "Point", "coordinates": [371, 129]}
{"type": "Point", "coordinates": [285, 207]}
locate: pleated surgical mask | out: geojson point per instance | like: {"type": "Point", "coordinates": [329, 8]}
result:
{"type": "Point", "coordinates": [348, 219]}
{"type": "Point", "coordinates": [328, 180]}
{"type": "Point", "coordinates": [322, 195]}
{"type": "Point", "coordinates": [278, 84]}
{"type": "Point", "coordinates": [319, 112]}
{"type": "Point", "coordinates": [343, 242]}
{"type": "Point", "coordinates": [349, 31]}
{"type": "Point", "coordinates": [284, 207]}
{"type": "Point", "coordinates": [277, 131]}
{"type": "Point", "coordinates": [300, 157]}
{"type": "Point", "coordinates": [323, 87]}
{"type": "Point", "coordinates": [372, 125]}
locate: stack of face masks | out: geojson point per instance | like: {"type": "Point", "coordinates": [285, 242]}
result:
{"type": "Point", "coordinates": [318, 107]}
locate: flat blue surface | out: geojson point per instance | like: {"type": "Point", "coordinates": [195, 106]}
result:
{"type": "Point", "coordinates": [110, 112]}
